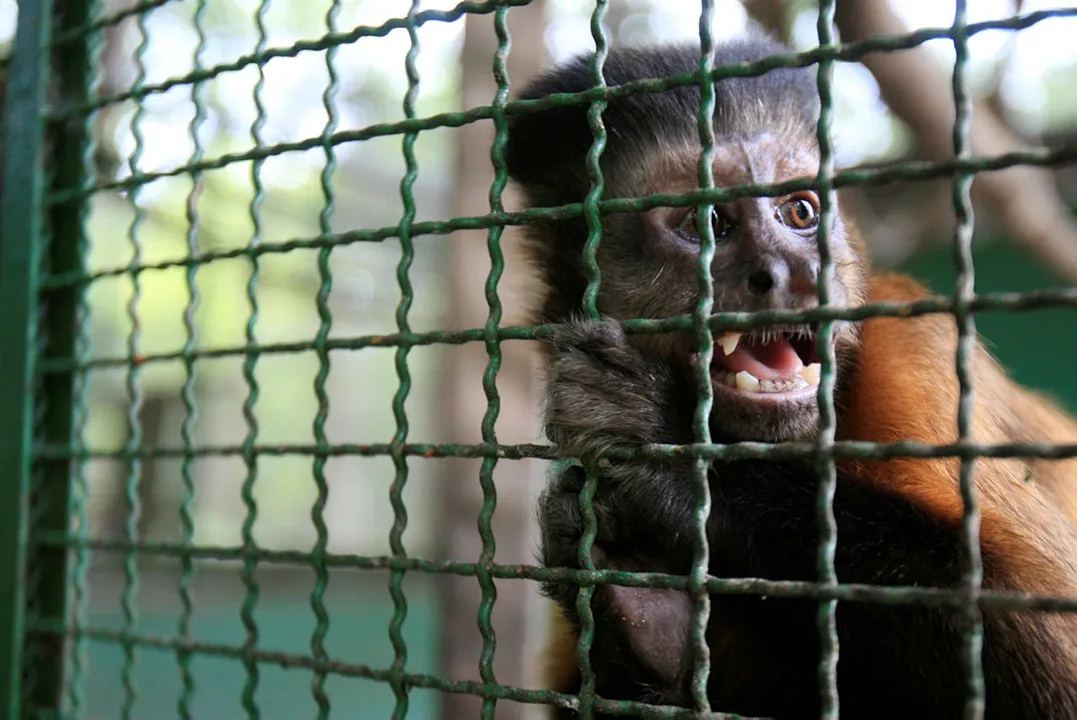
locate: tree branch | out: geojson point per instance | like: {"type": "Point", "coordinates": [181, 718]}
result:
{"type": "Point", "coordinates": [1025, 199]}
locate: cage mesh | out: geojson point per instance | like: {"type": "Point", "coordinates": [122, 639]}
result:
{"type": "Point", "coordinates": [48, 182]}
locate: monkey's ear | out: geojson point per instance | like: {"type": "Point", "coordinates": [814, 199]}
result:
{"type": "Point", "coordinates": [653, 629]}
{"type": "Point", "coordinates": [546, 150]}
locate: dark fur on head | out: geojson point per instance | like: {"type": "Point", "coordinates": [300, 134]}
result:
{"type": "Point", "coordinates": [765, 129]}
{"type": "Point", "coordinates": [547, 151]}
{"type": "Point", "coordinates": [546, 154]}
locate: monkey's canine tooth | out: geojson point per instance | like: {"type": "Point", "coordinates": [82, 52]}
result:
{"type": "Point", "coordinates": [747, 381]}
{"type": "Point", "coordinates": [729, 341]}
{"type": "Point", "coordinates": [810, 373]}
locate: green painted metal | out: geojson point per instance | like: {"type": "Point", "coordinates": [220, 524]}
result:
{"type": "Point", "coordinates": [129, 597]}
{"type": "Point", "coordinates": [847, 52]}
{"type": "Point", "coordinates": [493, 365]}
{"type": "Point", "coordinates": [850, 592]}
{"type": "Point", "coordinates": [964, 292]}
{"type": "Point", "coordinates": [998, 301]}
{"type": "Point", "coordinates": [42, 276]}
{"type": "Point", "coordinates": [59, 488]}
{"type": "Point", "coordinates": [20, 257]}
{"type": "Point", "coordinates": [907, 171]}
{"type": "Point", "coordinates": [81, 488]}
{"type": "Point", "coordinates": [828, 474]}
{"type": "Point", "coordinates": [317, 596]}
{"type": "Point", "coordinates": [37, 239]}
{"type": "Point", "coordinates": [396, 672]}
{"type": "Point", "coordinates": [187, 568]}
{"type": "Point", "coordinates": [784, 451]}
{"type": "Point", "coordinates": [250, 459]}
{"type": "Point", "coordinates": [593, 220]}
{"type": "Point", "coordinates": [400, 460]}
{"type": "Point", "coordinates": [697, 583]}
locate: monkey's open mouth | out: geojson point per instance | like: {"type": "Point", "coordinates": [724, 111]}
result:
{"type": "Point", "coordinates": [770, 360]}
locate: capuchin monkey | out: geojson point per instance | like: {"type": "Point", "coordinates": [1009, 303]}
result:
{"type": "Point", "coordinates": [899, 522]}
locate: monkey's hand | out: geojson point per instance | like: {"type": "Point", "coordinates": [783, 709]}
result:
{"type": "Point", "coordinates": [604, 392]}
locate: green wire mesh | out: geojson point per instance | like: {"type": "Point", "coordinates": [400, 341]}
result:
{"type": "Point", "coordinates": [407, 253]}
{"type": "Point", "coordinates": [493, 352]}
{"type": "Point", "coordinates": [705, 349]}
{"type": "Point", "coordinates": [134, 393]}
{"type": "Point", "coordinates": [590, 308]}
{"type": "Point", "coordinates": [966, 328]}
{"type": "Point", "coordinates": [183, 629]}
{"type": "Point", "coordinates": [48, 182]}
{"type": "Point", "coordinates": [828, 542]}
{"type": "Point", "coordinates": [321, 630]}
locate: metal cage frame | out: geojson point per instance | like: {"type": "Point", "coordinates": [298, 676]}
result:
{"type": "Point", "coordinates": [47, 183]}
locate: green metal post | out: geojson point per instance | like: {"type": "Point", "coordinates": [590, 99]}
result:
{"type": "Point", "coordinates": [20, 243]}
{"type": "Point", "coordinates": [60, 334]}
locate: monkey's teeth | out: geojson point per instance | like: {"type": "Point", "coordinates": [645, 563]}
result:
{"type": "Point", "coordinates": [745, 380]}
{"type": "Point", "coordinates": [729, 342]}
{"type": "Point", "coordinates": [810, 373]}
{"type": "Point", "coordinates": [783, 385]}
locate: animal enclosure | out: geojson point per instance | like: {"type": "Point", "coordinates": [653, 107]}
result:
{"type": "Point", "coordinates": [197, 497]}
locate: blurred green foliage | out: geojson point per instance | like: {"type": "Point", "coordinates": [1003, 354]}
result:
{"type": "Point", "coordinates": [1038, 347]}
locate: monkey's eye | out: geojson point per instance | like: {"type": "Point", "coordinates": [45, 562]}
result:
{"type": "Point", "coordinates": [800, 212]}
{"type": "Point", "coordinates": [720, 224]}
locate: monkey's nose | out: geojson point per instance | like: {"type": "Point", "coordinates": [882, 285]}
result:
{"type": "Point", "coordinates": [760, 282]}
{"type": "Point", "coordinates": [783, 283]}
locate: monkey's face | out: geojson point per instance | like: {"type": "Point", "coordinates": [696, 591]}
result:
{"type": "Point", "coordinates": [766, 257]}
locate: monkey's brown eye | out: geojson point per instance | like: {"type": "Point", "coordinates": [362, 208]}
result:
{"type": "Point", "coordinates": [720, 224]}
{"type": "Point", "coordinates": [800, 212]}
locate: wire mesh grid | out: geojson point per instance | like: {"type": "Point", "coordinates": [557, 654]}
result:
{"type": "Point", "coordinates": [49, 181]}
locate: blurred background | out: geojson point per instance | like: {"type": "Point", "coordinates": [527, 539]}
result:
{"type": "Point", "coordinates": [888, 108]}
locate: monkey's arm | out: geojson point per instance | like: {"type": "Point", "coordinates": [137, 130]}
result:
{"type": "Point", "coordinates": [603, 392]}
{"type": "Point", "coordinates": [905, 387]}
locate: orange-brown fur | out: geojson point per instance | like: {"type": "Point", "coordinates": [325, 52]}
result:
{"type": "Point", "coordinates": [560, 671]}
{"type": "Point", "coordinates": [906, 388]}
